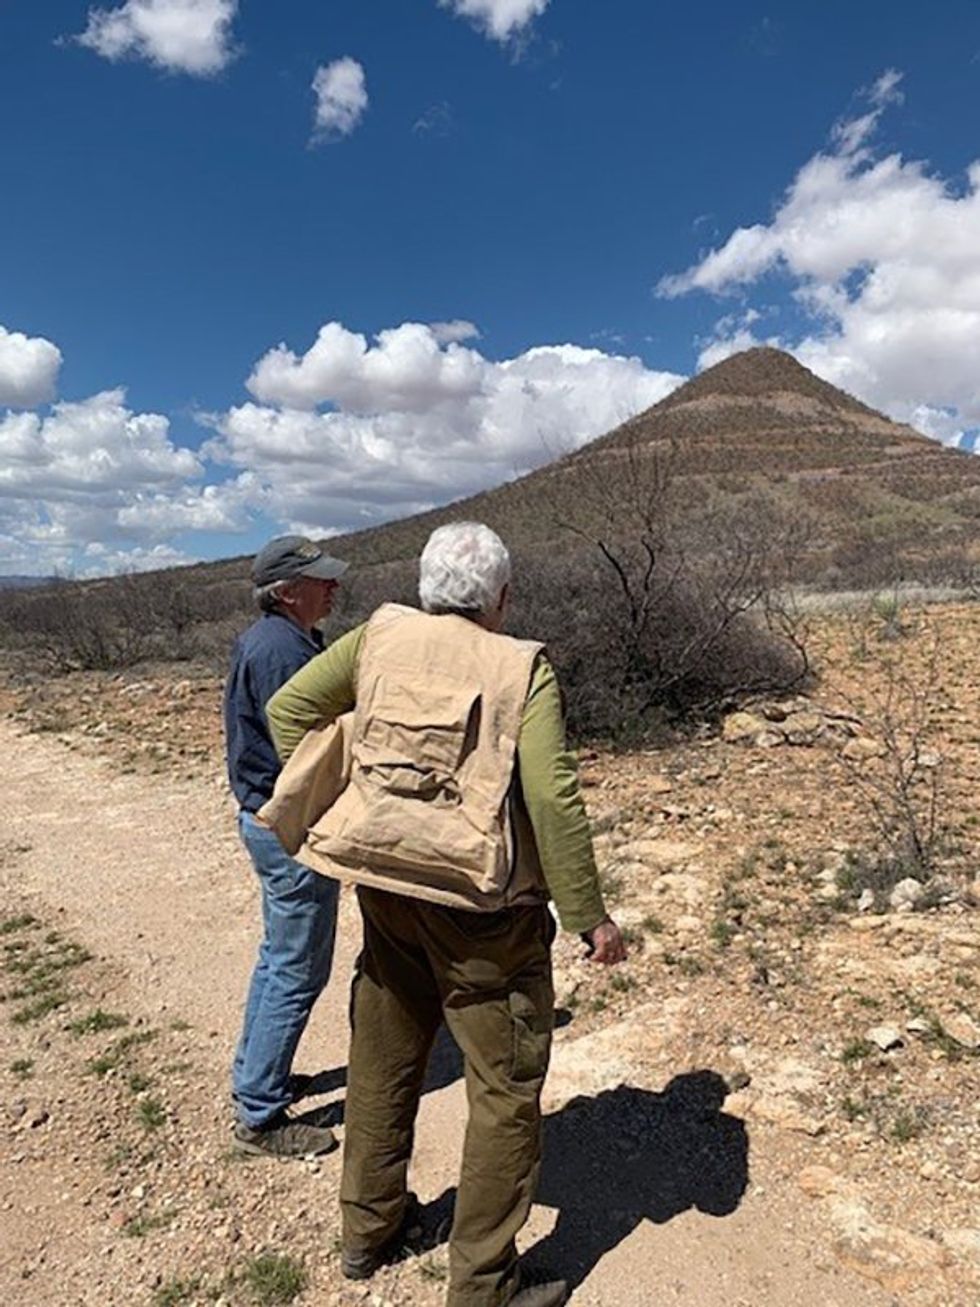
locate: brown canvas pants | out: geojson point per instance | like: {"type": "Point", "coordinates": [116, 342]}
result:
{"type": "Point", "coordinates": [489, 976]}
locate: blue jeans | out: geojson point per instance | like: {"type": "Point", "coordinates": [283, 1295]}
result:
{"type": "Point", "coordinates": [299, 914]}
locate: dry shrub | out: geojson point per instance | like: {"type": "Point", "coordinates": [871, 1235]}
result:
{"type": "Point", "coordinates": [694, 656]}
{"type": "Point", "coordinates": [902, 789]}
{"type": "Point", "coordinates": [115, 623]}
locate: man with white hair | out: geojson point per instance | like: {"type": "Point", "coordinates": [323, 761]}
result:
{"type": "Point", "coordinates": [462, 816]}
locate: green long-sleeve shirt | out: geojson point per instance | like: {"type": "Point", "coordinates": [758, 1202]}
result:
{"type": "Point", "coordinates": [326, 687]}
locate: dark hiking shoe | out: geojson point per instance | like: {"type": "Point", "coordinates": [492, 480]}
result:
{"type": "Point", "coordinates": [284, 1137]}
{"type": "Point", "coordinates": [552, 1293]}
{"type": "Point", "coordinates": [412, 1238]}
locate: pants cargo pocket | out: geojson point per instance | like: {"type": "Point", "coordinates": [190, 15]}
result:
{"type": "Point", "coordinates": [531, 1031]}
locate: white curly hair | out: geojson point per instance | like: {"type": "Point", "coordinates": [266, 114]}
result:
{"type": "Point", "coordinates": [463, 569]}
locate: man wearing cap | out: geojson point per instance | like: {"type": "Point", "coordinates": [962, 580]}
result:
{"type": "Point", "coordinates": [295, 582]}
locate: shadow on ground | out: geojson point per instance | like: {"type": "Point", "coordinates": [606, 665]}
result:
{"type": "Point", "coordinates": [629, 1155]}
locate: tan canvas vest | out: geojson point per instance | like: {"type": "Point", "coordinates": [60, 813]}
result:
{"type": "Point", "coordinates": [430, 807]}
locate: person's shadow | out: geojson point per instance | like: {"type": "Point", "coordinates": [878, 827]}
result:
{"type": "Point", "coordinates": [628, 1155]}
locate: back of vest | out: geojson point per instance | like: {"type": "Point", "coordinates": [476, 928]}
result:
{"type": "Point", "coordinates": [439, 708]}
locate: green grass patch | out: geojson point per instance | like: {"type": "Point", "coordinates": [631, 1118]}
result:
{"type": "Point", "coordinates": [909, 1124]}
{"type": "Point", "coordinates": [856, 1051]}
{"type": "Point", "coordinates": [723, 932]}
{"type": "Point", "coordinates": [118, 1157]}
{"type": "Point", "coordinates": [138, 1082]}
{"type": "Point", "coordinates": [175, 1291]}
{"type": "Point", "coordinates": [23, 1068]}
{"type": "Point", "coordinates": [96, 1022]}
{"type": "Point", "coordinates": [40, 1008]}
{"type": "Point", "coordinates": [140, 1226]}
{"type": "Point", "coordinates": [652, 924]}
{"type": "Point", "coordinates": [151, 1114]}
{"type": "Point", "coordinates": [274, 1278]}
{"type": "Point", "coordinates": [852, 1109]}
{"type": "Point", "coordinates": [21, 922]}
{"type": "Point", "coordinates": [117, 1053]}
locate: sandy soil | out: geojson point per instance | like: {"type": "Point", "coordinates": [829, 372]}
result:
{"type": "Point", "coordinates": [99, 1206]}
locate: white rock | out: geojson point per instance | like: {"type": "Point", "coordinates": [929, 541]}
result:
{"type": "Point", "coordinates": [906, 895]}
{"type": "Point", "coordinates": [885, 1037]}
{"type": "Point", "coordinates": [963, 1029]}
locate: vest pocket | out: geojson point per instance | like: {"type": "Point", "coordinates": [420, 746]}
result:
{"type": "Point", "coordinates": [416, 738]}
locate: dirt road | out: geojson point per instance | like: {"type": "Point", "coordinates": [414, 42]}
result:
{"type": "Point", "coordinates": [148, 875]}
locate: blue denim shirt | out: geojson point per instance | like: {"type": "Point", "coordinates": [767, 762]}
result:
{"type": "Point", "coordinates": [263, 658]}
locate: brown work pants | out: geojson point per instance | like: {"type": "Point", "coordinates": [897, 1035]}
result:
{"type": "Point", "coordinates": [489, 976]}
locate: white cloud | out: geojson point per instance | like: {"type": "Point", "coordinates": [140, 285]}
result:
{"type": "Point", "coordinates": [416, 420]}
{"type": "Point", "coordinates": [350, 433]}
{"type": "Point", "coordinates": [93, 446]}
{"type": "Point", "coordinates": [407, 369]}
{"type": "Point", "coordinates": [180, 36]}
{"type": "Point", "coordinates": [341, 98]}
{"type": "Point", "coordinates": [220, 507]}
{"type": "Point", "coordinates": [456, 331]}
{"type": "Point", "coordinates": [499, 19]}
{"type": "Point", "coordinates": [67, 480]}
{"type": "Point", "coordinates": [29, 367]}
{"type": "Point", "coordinates": [883, 257]}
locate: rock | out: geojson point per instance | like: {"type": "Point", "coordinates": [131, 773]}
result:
{"type": "Point", "coordinates": [891, 1257]}
{"type": "Point", "coordinates": [885, 1037]}
{"type": "Point", "coordinates": [820, 1182]}
{"type": "Point", "coordinates": [688, 925]}
{"type": "Point", "coordinates": [963, 1029]}
{"type": "Point", "coordinates": [610, 1057]}
{"type": "Point", "coordinates": [802, 727]}
{"type": "Point", "coordinates": [906, 895]}
{"type": "Point", "coordinates": [965, 1242]}
{"type": "Point", "coordinates": [662, 853]}
{"type": "Point", "coordinates": [861, 748]}
{"type": "Point", "coordinates": [787, 1116]}
{"type": "Point", "coordinates": [918, 1026]}
{"type": "Point", "coordinates": [769, 740]}
{"type": "Point", "coordinates": [929, 758]}
{"type": "Point", "coordinates": [866, 901]}
{"type": "Point", "coordinates": [740, 727]}
{"type": "Point", "coordinates": [658, 785]}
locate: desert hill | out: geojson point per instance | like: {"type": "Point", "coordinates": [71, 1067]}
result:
{"type": "Point", "coordinates": [841, 496]}
{"type": "Point", "coordinates": [758, 423]}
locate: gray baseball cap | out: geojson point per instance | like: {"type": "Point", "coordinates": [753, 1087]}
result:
{"type": "Point", "coordinates": [287, 557]}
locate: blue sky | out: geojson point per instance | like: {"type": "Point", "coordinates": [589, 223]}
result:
{"type": "Point", "coordinates": [559, 185]}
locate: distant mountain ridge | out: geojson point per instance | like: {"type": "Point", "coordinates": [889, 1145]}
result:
{"type": "Point", "coordinates": [759, 421]}
{"type": "Point", "coordinates": [24, 582]}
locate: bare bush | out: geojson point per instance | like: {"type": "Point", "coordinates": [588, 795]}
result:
{"type": "Point", "coordinates": [111, 624]}
{"type": "Point", "coordinates": [663, 606]}
{"type": "Point", "coordinates": [899, 779]}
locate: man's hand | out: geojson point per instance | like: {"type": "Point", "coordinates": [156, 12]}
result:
{"type": "Point", "coordinates": [605, 943]}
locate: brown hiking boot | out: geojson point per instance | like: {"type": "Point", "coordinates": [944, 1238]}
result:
{"type": "Point", "coordinates": [284, 1137]}
{"type": "Point", "coordinates": [554, 1293]}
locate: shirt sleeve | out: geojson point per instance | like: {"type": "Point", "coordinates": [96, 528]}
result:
{"type": "Point", "coordinates": [319, 692]}
{"type": "Point", "coordinates": [549, 782]}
